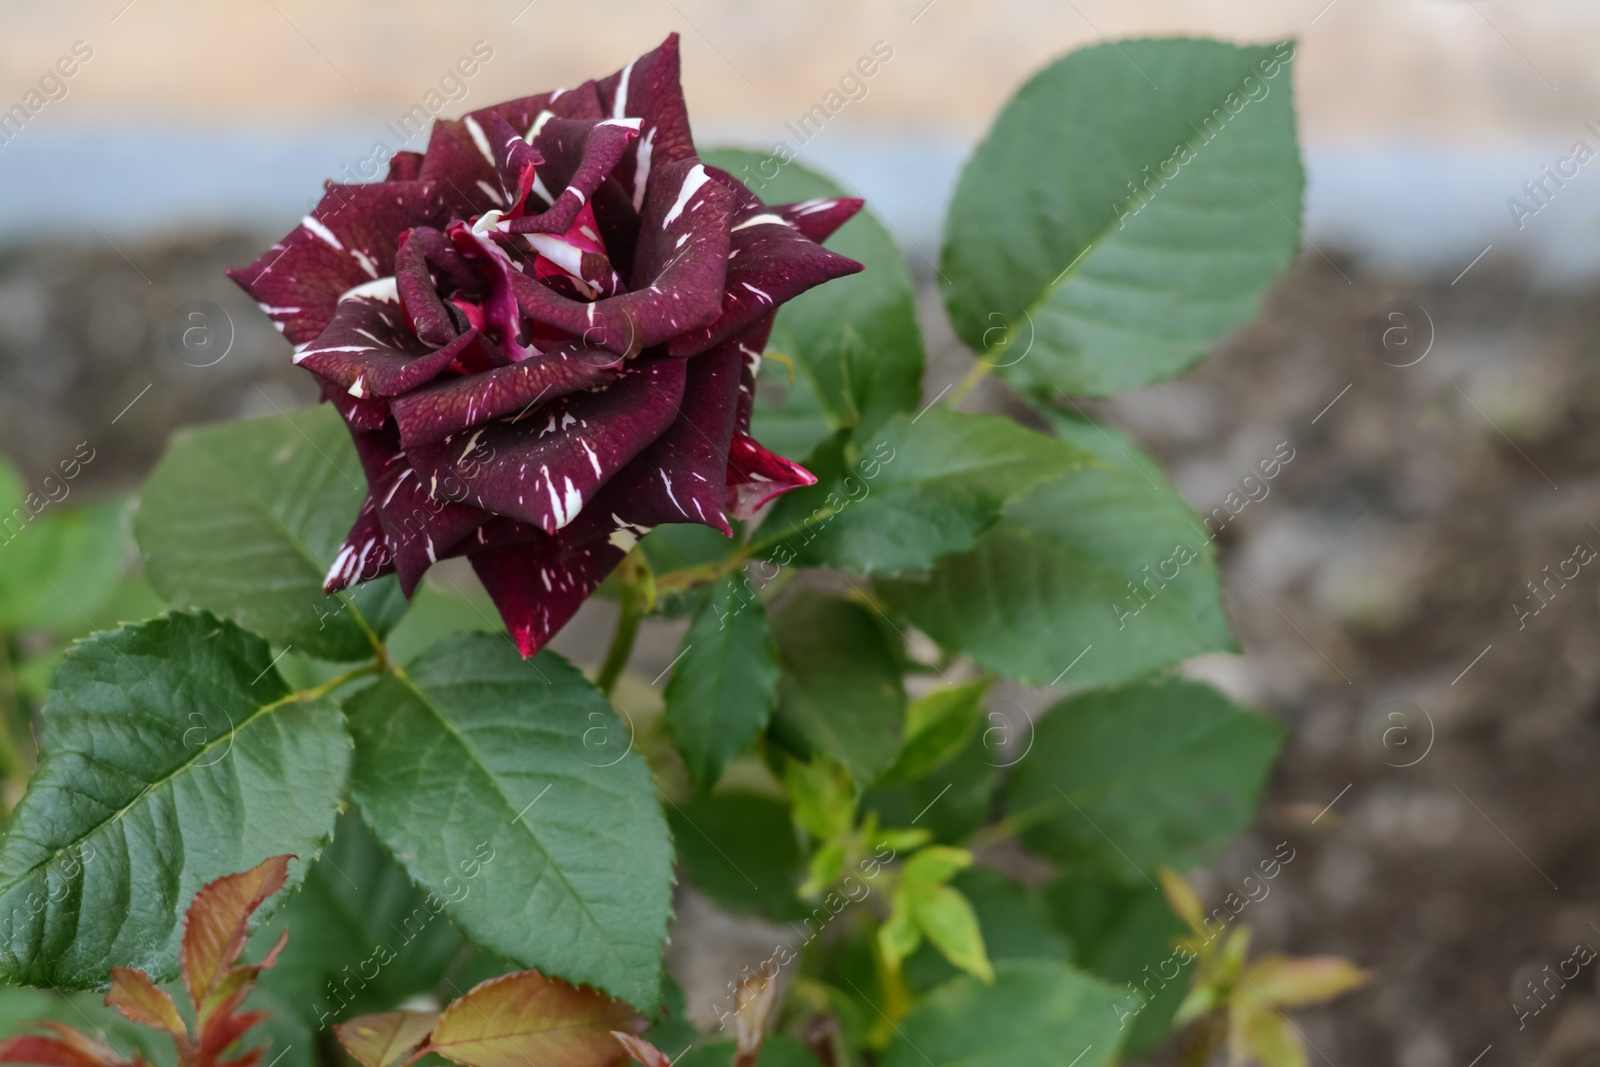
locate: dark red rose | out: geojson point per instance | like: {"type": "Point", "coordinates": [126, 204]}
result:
{"type": "Point", "coordinates": [543, 335]}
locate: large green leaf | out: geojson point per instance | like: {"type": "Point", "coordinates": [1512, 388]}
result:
{"type": "Point", "coordinates": [244, 520]}
{"type": "Point", "coordinates": [925, 487]}
{"type": "Point", "coordinates": [1152, 773]}
{"type": "Point", "coordinates": [741, 850]}
{"type": "Point", "coordinates": [59, 572]}
{"type": "Point", "coordinates": [1091, 579]}
{"type": "Point", "coordinates": [172, 753]}
{"type": "Point", "coordinates": [724, 682]}
{"type": "Point", "coordinates": [1124, 932]}
{"type": "Point", "coordinates": [358, 910]}
{"type": "Point", "coordinates": [1037, 1011]}
{"type": "Point", "coordinates": [1127, 209]}
{"type": "Point", "coordinates": [840, 692]}
{"type": "Point", "coordinates": [855, 340]}
{"type": "Point", "coordinates": [472, 748]}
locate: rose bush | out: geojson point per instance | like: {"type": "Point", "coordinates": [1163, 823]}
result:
{"type": "Point", "coordinates": [543, 334]}
{"type": "Point", "coordinates": [540, 339]}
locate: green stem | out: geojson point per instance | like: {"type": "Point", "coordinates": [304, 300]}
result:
{"type": "Point", "coordinates": [975, 374]}
{"type": "Point", "coordinates": [687, 578]}
{"type": "Point", "coordinates": [365, 671]}
{"type": "Point", "coordinates": [634, 574]}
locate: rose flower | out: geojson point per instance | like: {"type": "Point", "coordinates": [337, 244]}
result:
{"type": "Point", "coordinates": [543, 335]}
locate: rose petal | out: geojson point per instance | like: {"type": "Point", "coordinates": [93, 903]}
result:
{"type": "Point", "coordinates": [461, 159]}
{"type": "Point", "coordinates": [679, 265]}
{"type": "Point", "coordinates": [426, 260]}
{"type": "Point", "coordinates": [447, 407]}
{"type": "Point", "coordinates": [539, 586]}
{"type": "Point", "coordinates": [818, 220]}
{"type": "Point", "coordinates": [579, 155]}
{"type": "Point", "coordinates": [752, 343]}
{"type": "Point", "coordinates": [349, 239]}
{"type": "Point", "coordinates": [515, 160]}
{"type": "Point", "coordinates": [770, 262]}
{"type": "Point", "coordinates": [404, 167]}
{"type": "Point", "coordinates": [361, 414]}
{"type": "Point", "coordinates": [756, 476]}
{"type": "Point", "coordinates": [648, 89]}
{"type": "Point", "coordinates": [419, 521]}
{"type": "Point", "coordinates": [365, 554]}
{"type": "Point", "coordinates": [682, 476]}
{"type": "Point", "coordinates": [368, 353]}
{"type": "Point", "coordinates": [543, 469]}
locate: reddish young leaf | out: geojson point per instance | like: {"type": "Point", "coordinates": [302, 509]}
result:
{"type": "Point", "coordinates": [72, 1049]}
{"type": "Point", "coordinates": [524, 1018]}
{"type": "Point", "coordinates": [643, 1051]}
{"type": "Point", "coordinates": [218, 923]}
{"type": "Point", "coordinates": [136, 996]}
{"type": "Point", "coordinates": [382, 1039]}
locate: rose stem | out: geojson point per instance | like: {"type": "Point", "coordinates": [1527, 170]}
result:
{"type": "Point", "coordinates": [634, 603]}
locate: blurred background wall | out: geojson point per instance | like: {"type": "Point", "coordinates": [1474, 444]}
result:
{"type": "Point", "coordinates": [1420, 117]}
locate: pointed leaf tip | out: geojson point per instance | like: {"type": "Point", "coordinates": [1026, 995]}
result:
{"type": "Point", "coordinates": [218, 922]}
{"type": "Point", "coordinates": [387, 1037]}
{"type": "Point", "coordinates": [641, 1050]}
{"type": "Point", "coordinates": [141, 1000]}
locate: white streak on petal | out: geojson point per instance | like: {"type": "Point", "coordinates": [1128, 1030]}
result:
{"type": "Point", "coordinates": [377, 289]}
{"type": "Point", "coordinates": [538, 123]}
{"type": "Point", "coordinates": [321, 231]}
{"type": "Point", "coordinates": [692, 182]}
{"type": "Point", "coordinates": [620, 106]}
{"type": "Point", "coordinates": [764, 219]}
{"type": "Point", "coordinates": [479, 139]}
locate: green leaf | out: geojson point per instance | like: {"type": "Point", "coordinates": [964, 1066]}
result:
{"type": "Point", "coordinates": [824, 797]}
{"type": "Point", "coordinates": [473, 753]}
{"type": "Point", "coordinates": [725, 681]}
{"type": "Point", "coordinates": [1105, 563]}
{"type": "Point", "coordinates": [925, 487]}
{"type": "Point", "coordinates": [172, 754]}
{"type": "Point", "coordinates": [359, 910]}
{"type": "Point", "coordinates": [949, 922]}
{"type": "Point", "coordinates": [1126, 211]}
{"type": "Point", "coordinates": [938, 726]}
{"type": "Point", "coordinates": [954, 802]}
{"type": "Point", "coordinates": [740, 849]}
{"type": "Point", "coordinates": [856, 339]}
{"type": "Point", "coordinates": [1015, 921]}
{"type": "Point", "coordinates": [1124, 932]}
{"type": "Point", "coordinates": [441, 607]}
{"type": "Point", "coordinates": [840, 692]}
{"type": "Point", "coordinates": [1037, 1011]}
{"type": "Point", "coordinates": [58, 573]}
{"type": "Point", "coordinates": [244, 520]}
{"type": "Point", "coordinates": [1154, 773]}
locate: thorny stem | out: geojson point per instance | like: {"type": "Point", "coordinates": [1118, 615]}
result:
{"type": "Point", "coordinates": [638, 590]}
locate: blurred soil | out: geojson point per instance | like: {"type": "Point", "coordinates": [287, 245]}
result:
{"type": "Point", "coordinates": [1375, 585]}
